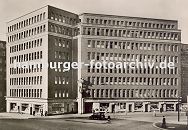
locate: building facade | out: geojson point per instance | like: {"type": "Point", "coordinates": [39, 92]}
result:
{"type": "Point", "coordinates": [42, 36]}
{"type": "Point", "coordinates": [184, 68]}
{"type": "Point", "coordinates": [2, 76]}
{"type": "Point", "coordinates": [54, 35]}
{"type": "Point", "coordinates": [117, 38]}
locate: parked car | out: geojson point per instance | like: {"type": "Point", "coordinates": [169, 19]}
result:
{"type": "Point", "coordinates": [97, 116]}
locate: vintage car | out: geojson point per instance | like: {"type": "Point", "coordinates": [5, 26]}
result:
{"type": "Point", "coordinates": [97, 116]}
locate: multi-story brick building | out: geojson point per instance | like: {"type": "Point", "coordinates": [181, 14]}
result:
{"type": "Point", "coordinates": [120, 38]}
{"type": "Point", "coordinates": [42, 36]}
{"type": "Point", "coordinates": [52, 35]}
{"type": "Point", "coordinates": [2, 76]}
{"type": "Point", "coordinates": [184, 69]}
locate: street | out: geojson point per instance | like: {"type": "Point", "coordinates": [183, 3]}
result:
{"type": "Point", "coordinates": [63, 124]}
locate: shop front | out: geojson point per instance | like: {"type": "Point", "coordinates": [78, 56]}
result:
{"type": "Point", "coordinates": [138, 107]}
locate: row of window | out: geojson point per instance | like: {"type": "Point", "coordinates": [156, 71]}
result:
{"type": "Point", "coordinates": [131, 57]}
{"type": "Point", "coordinates": [62, 30]}
{"type": "Point", "coordinates": [27, 33]}
{"type": "Point", "coordinates": [130, 23]}
{"type": "Point", "coordinates": [62, 55]}
{"type": "Point", "coordinates": [35, 80]}
{"type": "Point", "coordinates": [59, 94]}
{"type": "Point", "coordinates": [128, 70]}
{"type": "Point", "coordinates": [28, 93]}
{"type": "Point", "coordinates": [62, 18]}
{"type": "Point", "coordinates": [31, 69]}
{"type": "Point", "coordinates": [131, 33]}
{"type": "Point", "coordinates": [61, 80]}
{"type": "Point", "coordinates": [133, 93]}
{"type": "Point", "coordinates": [27, 22]}
{"type": "Point", "coordinates": [26, 57]}
{"type": "Point", "coordinates": [62, 42]}
{"type": "Point", "coordinates": [132, 45]}
{"type": "Point", "coordinates": [26, 45]}
{"type": "Point", "coordinates": [133, 81]}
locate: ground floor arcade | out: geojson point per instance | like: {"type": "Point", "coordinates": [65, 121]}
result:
{"type": "Point", "coordinates": [41, 106]}
{"type": "Point", "coordinates": [130, 105]}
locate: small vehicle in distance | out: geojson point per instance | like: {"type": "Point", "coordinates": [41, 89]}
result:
{"type": "Point", "coordinates": [98, 116]}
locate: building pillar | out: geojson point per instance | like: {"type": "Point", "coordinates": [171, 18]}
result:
{"type": "Point", "coordinates": [104, 93]}
{"type": "Point", "coordinates": [109, 96]}
{"type": "Point", "coordinates": [121, 93]}
{"type": "Point", "coordinates": [8, 106]}
{"type": "Point", "coordinates": [110, 107]}
{"type": "Point", "coordinates": [95, 93]}
{"type": "Point", "coordinates": [99, 93]}
{"type": "Point", "coordinates": [112, 93]}
{"type": "Point", "coordinates": [144, 107]}
{"type": "Point", "coordinates": [149, 107]}
{"type": "Point", "coordinates": [175, 106]}
{"type": "Point", "coordinates": [133, 106]}
{"type": "Point", "coordinates": [125, 93]}
{"type": "Point", "coordinates": [118, 93]}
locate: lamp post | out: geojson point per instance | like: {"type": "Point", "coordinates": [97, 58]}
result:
{"type": "Point", "coordinates": [179, 98]}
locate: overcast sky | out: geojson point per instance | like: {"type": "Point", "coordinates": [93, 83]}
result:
{"type": "Point", "coordinates": [165, 9]}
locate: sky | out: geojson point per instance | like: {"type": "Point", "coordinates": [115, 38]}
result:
{"type": "Point", "coordinates": [162, 9]}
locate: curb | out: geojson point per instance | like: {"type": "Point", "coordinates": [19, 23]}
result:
{"type": "Point", "coordinates": [86, 121]}
{"type": "Point", "coordinates": [157, 126]}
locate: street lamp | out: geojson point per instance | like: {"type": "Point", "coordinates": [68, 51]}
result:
{"type": "Point", "coordinates": [179, 99]}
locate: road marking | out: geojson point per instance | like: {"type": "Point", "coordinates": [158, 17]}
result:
{"type": "Point", "coordinates": [171, 127]}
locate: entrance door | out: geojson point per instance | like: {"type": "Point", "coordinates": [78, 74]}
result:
{"type": "Point", "coordinates": [146, 108]}
{"type": "Point", "coordinates": [130, 107]}
{"type": "Point", "coordinates": [31, 111]}
{"type": "Point", "coordinates": [67, 107]}
{"type": "Point", "coordinates": [88, 107]}
{"type": "Point", "coordinates": [113, 108]}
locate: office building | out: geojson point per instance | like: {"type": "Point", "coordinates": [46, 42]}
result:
{"type": "Point", "coordinates": [2, 76]}
{"type": "Point", "coordinates": [54, 35]}
{"type": "Point", "coordinates": [42, 36]}
{"type": "Point", "coordinates": [120, 38]}
{"type": "Point", "coordinates": [184, 69]}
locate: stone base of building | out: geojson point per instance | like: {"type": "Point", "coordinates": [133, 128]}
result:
{"type": "Point", "coordinates": [129, 105]}
{"type": "Point", "coordinates": [41, 106]}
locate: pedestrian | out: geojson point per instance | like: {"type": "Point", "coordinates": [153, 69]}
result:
{"type": "Point", "coordinates": [161, 110]}
{"type": "Point", "coordinates": [109, 119]}
{"type": "Point", "coordinates": [46, 113]}
{"type": "Point", "coordinates": [41, 112]}
{"type": "Point", "coordinates": [164, 122]}
{"type": "Point", "coordinates": [154, 113]}
{"type": "Point", "coordinates": [33, 113]}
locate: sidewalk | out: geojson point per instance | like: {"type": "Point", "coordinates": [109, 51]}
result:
{"type": "Point", "coordinates": [171, 117]}
{"type": "Point", "coordinates": [14, 116]}
{"type": "Point", "coordinates": [27, 116]}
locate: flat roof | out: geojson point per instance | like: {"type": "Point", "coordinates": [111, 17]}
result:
{"type": "Point", "coordinates": [128, 17]}
{"type": "Point", "coordinates": [27, 14]}
{"type": "Point", "coordinates": [39, 9]}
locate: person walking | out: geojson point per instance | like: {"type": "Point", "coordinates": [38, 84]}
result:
{"type": "Point", "coordinates": [109, 119]}
{"type": "Point", "coordinates": [164, 122]}
{"type": "Point", "coordinates": [154, 113]}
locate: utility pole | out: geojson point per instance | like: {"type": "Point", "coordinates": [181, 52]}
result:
{"type": "Point", "coordinates": [179, 108]}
